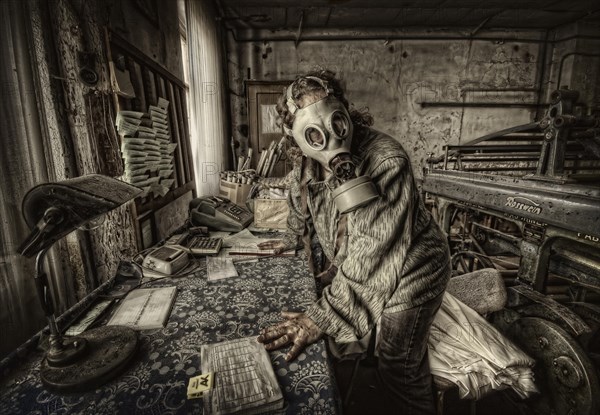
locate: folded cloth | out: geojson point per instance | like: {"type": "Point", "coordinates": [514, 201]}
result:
{"type": "Point", "coordinates": [468, 351]}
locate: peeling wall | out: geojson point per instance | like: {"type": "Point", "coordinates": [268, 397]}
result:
{"type": "Point", "coordinates": [79, 27]}
{"type": "Point", "coordinates": [393, 77]}
{"type": "Point", "coordinates": [153, 28]}
{"type": "Point", "coordinates": [62, 141]}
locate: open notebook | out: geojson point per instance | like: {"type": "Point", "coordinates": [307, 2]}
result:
{"type": "Point", "coordinates": [145, 308]}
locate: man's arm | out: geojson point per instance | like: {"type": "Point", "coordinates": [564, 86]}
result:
{"type": "Point", "coordinates": [295, 219]}
{"type": "Point", "coordinates": [379, 237]}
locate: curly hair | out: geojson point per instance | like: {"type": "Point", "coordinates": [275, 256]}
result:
{"type": "Point", "coordinates": [303, 85]}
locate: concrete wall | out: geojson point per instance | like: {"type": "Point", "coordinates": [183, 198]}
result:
{"type": "Point", "coordinates": [392, 78]}
{"type": "Point", "coordinates": [576, 63]}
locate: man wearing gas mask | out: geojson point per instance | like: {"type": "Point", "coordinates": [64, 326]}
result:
{"type": "Point", "coordinates": [387, 261]}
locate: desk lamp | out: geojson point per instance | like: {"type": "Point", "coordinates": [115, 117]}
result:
{"type": "Point", "coordinates": [52, 210]}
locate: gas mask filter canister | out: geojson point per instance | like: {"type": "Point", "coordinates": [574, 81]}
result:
{"type": "Point", "coordinates": [323, 131]}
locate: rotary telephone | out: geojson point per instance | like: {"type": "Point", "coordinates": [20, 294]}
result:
{"type": "Point", "coordinates": [219, 213]}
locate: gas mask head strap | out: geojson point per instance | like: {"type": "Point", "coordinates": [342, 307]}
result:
{"type": "Point", "coordinates": [292, 107]}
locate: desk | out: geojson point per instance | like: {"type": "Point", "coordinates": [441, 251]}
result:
{"type": "Point", "coordinates": [204, 312]}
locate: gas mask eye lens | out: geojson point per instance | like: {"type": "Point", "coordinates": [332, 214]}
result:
{"type": "Point", "coordinates": [315, 137]}
{"type": "Point", "coordinates": [340, 124]}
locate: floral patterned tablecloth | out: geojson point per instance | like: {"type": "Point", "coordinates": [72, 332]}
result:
{"type": "Point", "coordinates": [204, 312]}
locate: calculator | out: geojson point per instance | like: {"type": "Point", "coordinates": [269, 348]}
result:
{"type": "Point", "coordinates": [195, 244]}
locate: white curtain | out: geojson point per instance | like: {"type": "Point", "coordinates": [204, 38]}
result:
{"type": "Point", "coordinates": [207, 96]}
{"type": "Point", "coordinates": [22, 165]}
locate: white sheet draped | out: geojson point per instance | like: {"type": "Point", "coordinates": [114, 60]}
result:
{"type": "Point", "coordinates": [468, 351]}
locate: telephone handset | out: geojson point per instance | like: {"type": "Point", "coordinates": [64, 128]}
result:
{"type": "Point", "coordinates": [219, 213]}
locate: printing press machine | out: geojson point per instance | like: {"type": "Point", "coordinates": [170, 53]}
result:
{"type": "Point", "coordinates": [526, 201]}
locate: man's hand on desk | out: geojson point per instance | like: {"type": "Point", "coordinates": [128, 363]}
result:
{"type": "Point", "coordinates": [280, 245]}
{"type": "Point", "coordinates": [298, 330]}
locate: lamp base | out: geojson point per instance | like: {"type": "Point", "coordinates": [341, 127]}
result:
{"type": "Point", "coordinates": [69, 350]}
{"type": "Point", "coordinates": [109, 349]}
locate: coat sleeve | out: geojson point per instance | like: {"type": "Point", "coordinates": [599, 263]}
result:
{"type": "Point", "coordinates": [378, 239]}
{"type": "Point", "coordinates": [295, 219]}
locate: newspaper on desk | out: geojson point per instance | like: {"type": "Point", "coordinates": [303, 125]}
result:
{"type": "Point", "coordinates": [242, 237]}
{"type": "Point", "coordinates": [219, 267]}
{"type": "Point", "coordinates": [244, 382]}
{"type": "Point", "coordinates": [244, 246]}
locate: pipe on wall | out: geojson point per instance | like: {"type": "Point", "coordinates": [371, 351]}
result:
{"type": "Point", "coordinates": [565, 56]}
{"type": "Point", "coordinates": [541, 73]}
{"type": "Point", "coordinates": [481, 104]}
{"type": "Point", "coordinates": [353, 35]}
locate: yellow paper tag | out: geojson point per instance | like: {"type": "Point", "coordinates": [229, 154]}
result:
{"type": "Point", "coordinates": [199, 384]}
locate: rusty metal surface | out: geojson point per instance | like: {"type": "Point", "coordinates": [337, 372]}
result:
{"type": "Point", "coordinates": [549, 309]}
{"type": "Point", "coordinates": [542, 231]}
{"type": "Point", "coordinates": [567, 379]}
{"type": "Point", "coordinates": [570, 206]}
{"type": "Point", "coordinates": [557, 148]}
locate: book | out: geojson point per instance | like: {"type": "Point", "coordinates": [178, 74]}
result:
{"type": "Point", "coordinates": [145, 308]}
{"type": "Point", "coordinates": [244, 381]}
{"type": "Point", "coordinates": [89, 318]}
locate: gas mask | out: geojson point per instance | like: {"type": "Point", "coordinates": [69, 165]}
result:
{"type": "Point", "coordinates": [323, 131]}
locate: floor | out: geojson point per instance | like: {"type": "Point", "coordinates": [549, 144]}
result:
{"type": "Point", "coordinates": [366, 398]}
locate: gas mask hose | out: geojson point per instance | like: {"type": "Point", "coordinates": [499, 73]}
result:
{"type": "Point", "coordinates": [343, 168]}
{"type": "Point", "coordinates": [353, 192]}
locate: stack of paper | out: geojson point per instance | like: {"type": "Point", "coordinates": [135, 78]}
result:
{"type": "Point", "coordinates": [244, 378]}
{"type": "Point", "coordinates": [164, 156]}
{"type": "Point", "coordinates": [128, 122]}
{"type": "Point", "coordinates": [147, 149]}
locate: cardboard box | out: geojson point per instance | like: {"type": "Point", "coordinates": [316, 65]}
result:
{"type": "Point", "coordinates": [236, 192]}
{"type": "Point", "coordinates": [271, 213]}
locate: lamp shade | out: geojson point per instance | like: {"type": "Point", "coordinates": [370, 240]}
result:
{"type": "Point", "coordinates": [53, 210]}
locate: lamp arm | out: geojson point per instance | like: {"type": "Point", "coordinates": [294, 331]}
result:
{"type": "Point", "coordinates": [52, 217]}
{"type": "Point", "coordinates": [61, 351]}
{"type": "Point", "coordinates": [41, 284]}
